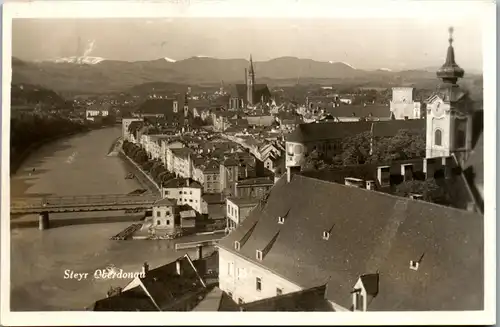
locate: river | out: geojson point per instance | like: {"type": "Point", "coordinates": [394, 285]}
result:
{"type": "Point", "coordinates": [79, 165]}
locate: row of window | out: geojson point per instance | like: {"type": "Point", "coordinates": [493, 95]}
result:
{"type": "Point", "coordinates": [158, 213]}
{"type": "Point", "coordinates": [232, 211]}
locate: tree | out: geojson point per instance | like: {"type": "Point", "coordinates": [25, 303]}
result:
{"type": "Point", "coordinates": [356, 149]}
{"type": "Point", "coordinates": [406, 144]}
{"type": "Point", "coordinates": [429, 189]}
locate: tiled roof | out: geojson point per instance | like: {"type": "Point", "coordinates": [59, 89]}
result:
{"type": "Point", "coordinates": [326, 131]}
{"type": "Point", "coordinates": [243, 201]}
{"type": "Point", "coordinates": [312, 299]}
{"type": "Point", "coordinates": [164, 202]}
{"type": "Point", "coordinates": [217, 300]}
{"type": "Point", "coordinates": [255, 181]}
{"type": "Point", "coordinates": [369, 232]}
{"type": "Point", "coordinates": [213, 198]}
{"type": "Point", "coordinates": [359, 111]}
{"type": "Point", "coordinates": [181, 182]}
{"type": "Point", "coordinates": [167, 289]}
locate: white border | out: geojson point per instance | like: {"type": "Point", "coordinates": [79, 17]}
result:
{"type": "Point", "coordinates": [261, 8]}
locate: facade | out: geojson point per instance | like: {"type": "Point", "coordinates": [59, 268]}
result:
{"type": "Point", "coordinates": [90, 114]}
{"type": "Point", "coordinates": [184, 192]}
{"type": "Point", "coordinates": [403, 105]}
{"type": "Point", "coordinates": [237, 209]}
{"type": "Point", "coordinates": [181, 162]}
{"type": "Point", "coordinates": [449, 114]}
{"type": "Point", "coordinates": [256, 187]}
{"type": "Point", "coordinates": [166, 219]}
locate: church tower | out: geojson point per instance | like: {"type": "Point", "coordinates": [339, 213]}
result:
{"type": "Point", "coordinates": [449, 113]}
{"type": "Point", "coordinates": [186, 105]}
{"type": "Point", "coordinates": [250, 83]}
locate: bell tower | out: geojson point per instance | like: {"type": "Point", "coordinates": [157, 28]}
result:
{"type": "Point", "coordinates": [250, 83]}
{"type": "Point", "coordinates": [449, 112]}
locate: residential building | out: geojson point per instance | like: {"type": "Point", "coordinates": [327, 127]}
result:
{"type": "Point", "coordinates": [92, 113]}
{"type": "Point", "coordinates": [166, 218]}
{"type": "Point", "coordinates": [169, 148]}
{"type": "Point", "coordinates": [293, 243]}
{"type": "Point", "coordinates": [237, 209]}
{"type": "Point", "coordinates": [256, 187]}
{"type": "Point", "coordinates": [182, 166]}
{"type": "Point", "coordinates": [184, 192]}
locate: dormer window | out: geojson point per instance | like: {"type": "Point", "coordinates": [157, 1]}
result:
{"type": "Point", "coordinates": [237, 245]}
{"type": "Point", "coordinates": [281, 220]}
{"type": "Point", "coordinates": [414, 265]}
{"type": "Point", "coordinates": [326, 235]}
{"type": "Point", "coordinates": [359, 300]}
{"type": "Point", "coordinates": [259, 255]}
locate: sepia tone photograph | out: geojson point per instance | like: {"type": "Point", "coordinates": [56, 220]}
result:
{"type": "Point", "coordinates": [247, 164]}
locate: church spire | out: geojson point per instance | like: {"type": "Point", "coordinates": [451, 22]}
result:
{"type": "Point", "coordinates": [450, 72]}
{"type": "Point", "coordinates": [251, 71]}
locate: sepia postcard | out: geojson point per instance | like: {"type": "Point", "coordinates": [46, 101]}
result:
{"type": "Point", "coordinates": [248, 163]}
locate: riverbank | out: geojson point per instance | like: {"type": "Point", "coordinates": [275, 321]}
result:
{"type": "Point", "coordinates": [145, 179]}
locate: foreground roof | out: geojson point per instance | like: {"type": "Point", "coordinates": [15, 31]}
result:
{"type": "Point", "coordinates": [370, 232]}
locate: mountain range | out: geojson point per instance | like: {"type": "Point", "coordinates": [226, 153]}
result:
{"type": "Point", "coordinates": [97, 75]}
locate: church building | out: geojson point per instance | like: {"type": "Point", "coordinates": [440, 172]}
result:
{"type": "Point", "coordinates": [249, 94]}
{"type": "Point", "coordinates": [451, 128]}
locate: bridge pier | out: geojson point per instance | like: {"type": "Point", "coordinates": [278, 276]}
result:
{"type": "Point", "coordinates": [43, 221]}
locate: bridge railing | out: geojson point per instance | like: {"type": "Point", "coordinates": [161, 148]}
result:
{"type": "Point", "coordinates": [81, 200]}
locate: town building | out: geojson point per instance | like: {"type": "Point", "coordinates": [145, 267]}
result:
{"type": "Point", "coordinates": [326, 138]}
{"type": "Point", "coordinates": [166, 219]}
{"type": "Point", "coordinates": [371, 251]}
{"type": "Point", "coordinates": [177, 286]}
{"type": "Point", "coordinates": [184, 192]}
{"type": "Point", "coordinates": [400, 246]}
{"type": "Point", "coordinates": [249, 94]}
{"type": "Point", "coordinates": [237, 209]}
{"type": "Point", "coordinates": [95, 112]}
{"type": "Point", "coordinates": [403, 104]}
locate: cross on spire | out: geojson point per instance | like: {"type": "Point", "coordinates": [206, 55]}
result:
{"type": "Point", "coordinates": [450, 30]}
{"type": "Point", "coordinates": [450, 72]}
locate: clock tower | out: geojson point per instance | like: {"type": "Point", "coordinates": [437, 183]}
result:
{"type": "Point", "coordinates": [449, 113]}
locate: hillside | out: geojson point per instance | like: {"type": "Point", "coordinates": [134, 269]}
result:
{"type": "Point", "coordinates": [31, 95]}
{"type": "Point", "coordinates": [117, 76]}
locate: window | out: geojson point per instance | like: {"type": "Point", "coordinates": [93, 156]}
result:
{"type": "Point", "coordinates": [167, 192]}
{"type": "Point", "coordinates": [414, 265]}
{"type": "Point", "coordinates": [180, 192]}
{"type": "Point", "coordinates": [190, 200]}
{"type": "Point", "coordinates": [158, 222]}
{"type": "Point", "coordinates": [236, 245]}
{"type": "Point", "coordinates": [241, 272]}
{"type": "Point", "coordinates": [437, 137]}
{"type": "Point", "coordinates": [228, 209]}
{"type": "Point", "coordinates": [279, 291]}
{"type": "Point", "coordinates": [168, 221]}
{"type": "Point", "coordinates": [190, 192]}
{"type": "Point", "coordinates": [281, 220]}
{"type": "Point", "coordinates": [358, 301]}
{"type": "Point", "coordinates": [230, 267]}
{"type": "Point", "coordinates": [185, 192]}
{"type": "Point", "coordinates": [158, 214]}
{"type": "Point", "coordinates": [230, 294]}
{"type": "Point", "coordinates": [326, 235]}
{"type": "Point", "coordinates": [258, 284]}
{"type": "Point", "coordinates": [259, 255]}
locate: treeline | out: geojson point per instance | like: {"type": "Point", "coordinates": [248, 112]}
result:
{"type": "Point", "coordinates": [153, 167]}
{"type": "Point", "coordinates": [28, 132]}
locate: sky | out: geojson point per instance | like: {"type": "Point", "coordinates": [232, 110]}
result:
{"type": "Point", "coordinates": [364, 43]}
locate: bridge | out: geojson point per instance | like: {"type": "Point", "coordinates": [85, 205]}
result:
{"type": "Point", "coordinates": [86, 203]}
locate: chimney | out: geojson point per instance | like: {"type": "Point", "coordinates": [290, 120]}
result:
{"type": "Point", "coordinates": [355, 182]}
{"type": "Point", "coordinates": [200, 252]}
{"type": "Point", "coordinates": [145, 269]}
{"type": "Point", "coordinates": [178, 267]}
{"type": "Point", "coordinates": [370, 185]}
{"type": "Point", "coordinates": [187, 182]}
{"type": "Point", "coordinates": [384, 175]}
{"type": "Point", "coordinates": [290, 171]}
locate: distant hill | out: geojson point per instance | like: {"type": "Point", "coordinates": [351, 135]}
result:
{"type": "Point", "coordinates": [117, 76]}
{"type": "Point", "coordinates": [32, 95]}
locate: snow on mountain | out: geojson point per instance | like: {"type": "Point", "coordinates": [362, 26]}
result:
{"type": "Point", "coordinates": [79, 60]}
{"type": "Point", "coordinates": [385, 69]}
{"type": "Point", "coordinates": [341, 62]}
{"type": "Point", "coordinates": [169, 59]}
